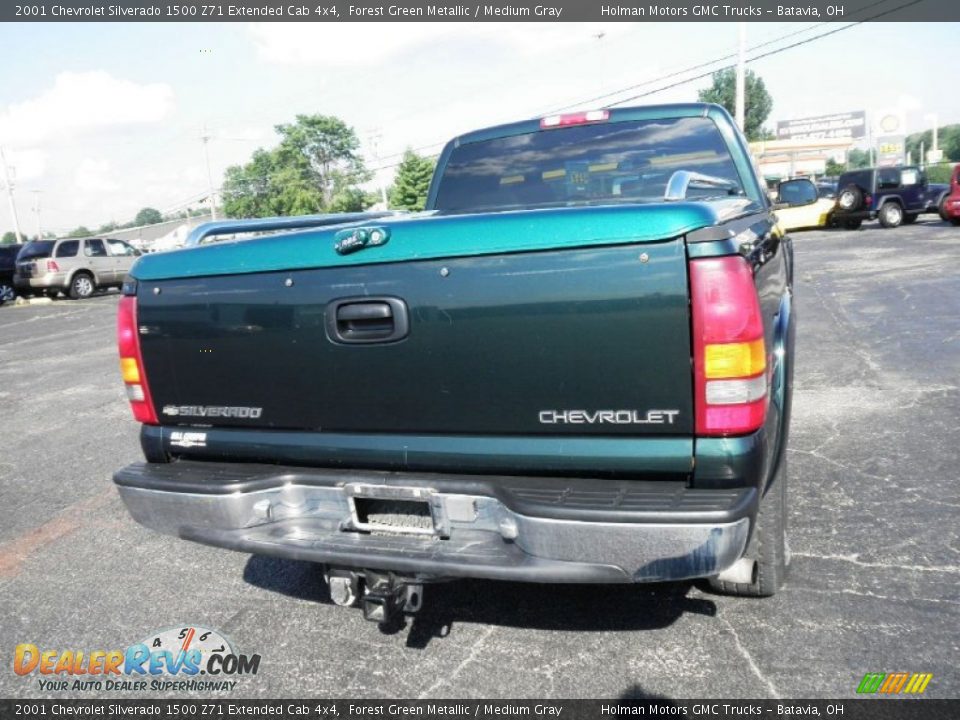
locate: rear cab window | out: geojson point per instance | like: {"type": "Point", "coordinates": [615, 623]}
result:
{"type": "Point", "coordinates": [36, 250]}
{"type": "Point", "coordinates": [595, 164]}
{"type": "Point", "coordinates": [888, 178]}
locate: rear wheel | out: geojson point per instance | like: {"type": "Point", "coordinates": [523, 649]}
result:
{"type": "Point", "coordinates": [890, 215]}
{"type": "Point", "coordinates": [852, 224]}
{"type": "Point", "coordinates": [942, 208]}
{"type": "Point", "coordinates": [81, 286]}
{"type": "Point", "coordinates": [767, 545]}
{"type": "Point", "coordinates": [7, 293]}
{"type": "Point", "coordinates": [955, 221]}
{"type": "Point", "coordinates": [910, 218]}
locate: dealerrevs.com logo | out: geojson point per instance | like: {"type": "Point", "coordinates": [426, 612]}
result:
{"type": "Point", "coordinates": [189, 659]}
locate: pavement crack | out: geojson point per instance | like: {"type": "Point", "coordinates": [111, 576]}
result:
{"type": "Point", "coordinates": [855, 559]}
{"type": "Point", "coordinates": [471, 656]}
{"type": "Point", "coordinates": [750, 661]}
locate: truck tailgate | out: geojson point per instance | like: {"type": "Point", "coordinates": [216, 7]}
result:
{"type": "Point", "coordinates": [581, 341]}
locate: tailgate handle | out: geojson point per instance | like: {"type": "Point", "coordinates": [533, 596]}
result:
{"type": "Point", "coordinates": [367, 320]}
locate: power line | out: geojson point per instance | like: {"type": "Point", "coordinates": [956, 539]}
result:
{"type": "Point", "coordinates": [768, 54]}
{"type": "Point", "coordinates": [708, 64]}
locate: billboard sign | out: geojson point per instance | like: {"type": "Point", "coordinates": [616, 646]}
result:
{"type": "Point", "coordinates": [852, 125]}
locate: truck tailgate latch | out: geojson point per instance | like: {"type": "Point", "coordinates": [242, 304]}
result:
{"type": "Point", "coordinates": [349, 241]}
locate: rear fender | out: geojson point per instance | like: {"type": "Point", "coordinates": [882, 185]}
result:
{"type": "Point", "coordinates": [781, 386]}
{"type": "Point", "coordinates": [88, 271]}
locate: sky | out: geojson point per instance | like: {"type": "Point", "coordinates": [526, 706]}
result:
{"type": "Point", "coordinates": [100, 120]}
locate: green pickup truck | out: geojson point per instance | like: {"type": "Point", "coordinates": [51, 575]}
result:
{"type": "Point", "coordinates": [574, 367]}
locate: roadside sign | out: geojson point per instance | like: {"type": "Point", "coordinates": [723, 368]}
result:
{"type": "Point", "coordinates": [851, 125]}
{"type": "Point", "coordinates": [934, 157]}
{"type": "Point", "coordinates": [890, 150]}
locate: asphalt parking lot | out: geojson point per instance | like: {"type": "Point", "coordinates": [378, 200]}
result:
{"type": "Point", "coordinates": [875, 528]}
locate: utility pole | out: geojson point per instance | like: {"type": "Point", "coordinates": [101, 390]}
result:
{"type": "Point", "coordinates": [36, 209]}
{"type": "Point", "coordinates": [13, 205]}
{"type": "Point", "coordinates": [934, 120]}
{"type": "Point", "coordinates": [373, 137]}
{"type": "Point", "coordinates": [603, 59]}
{"type": "Point", "coordinates": [205, 137]}
{"type": "Point", "coordinates": [741, 105]}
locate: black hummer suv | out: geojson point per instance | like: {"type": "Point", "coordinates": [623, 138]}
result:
{"type": "Point", "coordinates": [892, 195]}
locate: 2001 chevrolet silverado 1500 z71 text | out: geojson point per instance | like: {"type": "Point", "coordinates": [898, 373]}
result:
{"type": "Point", "coordinates": [574, 366]}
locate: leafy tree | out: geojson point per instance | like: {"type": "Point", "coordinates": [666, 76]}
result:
{"type": "Point", "coordinates": [9, 238]}
{"type": "Point", "coordinates": [857, 159]}
{"type": "Point", "coordinates": [107, 227]}
{"type": "Point", "coordinates": [410, 186]}
{"type": "Point", "coordinates": [758, 102]}
{"type": "Point", "coordinates": [270, 185]}
{"type": "Point", "coordinates": [834, 168]}
{"type": "Point", "coordinates": [147, 216]}
{"type": "Point", "coordinates": [351, 199]}
{"type": "Point", "coordinates": [948, 138]}
{"type": "Point", "coordinates": [80, 232]}
{"type": "Point", "coordinates": [330, 148]}
{"type": "Point", "coordinates": [316, 168]}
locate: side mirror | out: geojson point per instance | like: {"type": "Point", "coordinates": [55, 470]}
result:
{"type": "Point", "coordinates": [137, 252]}
{"type": "Point", "coordinates": [796, 193]}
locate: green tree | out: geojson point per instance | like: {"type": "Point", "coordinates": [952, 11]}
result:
{"type": "Point", "coordinates": [410, 186]}
{"type": "Point", "coordinates": [147, 216]}
{"type": "Point", "coordinates": [316, 168]}
{"type": "Point", "coordinates": [330, 149]}
{"type": "Point", "coordinates": [9, 238]}
{"type": "Point", "coordinates": [833, 167]}
{"type": "Point", "coordinates": [857, 159]}
{"type": "Point", "coordinates": [758, 102]}
{"type": "Point", "coordinates": [107, 227]}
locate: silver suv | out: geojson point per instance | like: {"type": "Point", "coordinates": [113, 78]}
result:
{"type": "Point", "coordinates": [74, 266]}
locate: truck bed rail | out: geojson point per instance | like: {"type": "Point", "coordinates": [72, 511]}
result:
{"type": "Point", "coordinates": [229, 227]}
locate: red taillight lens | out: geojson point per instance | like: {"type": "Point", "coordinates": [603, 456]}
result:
{"type": "Point", "coordinates": [578, 118]}
{"type": "Point", "coordinates": [729, 354]}
{"type": "Point", "coordinates": [52, 266]}
{"type": "Point", "coordinates": [131, 362]}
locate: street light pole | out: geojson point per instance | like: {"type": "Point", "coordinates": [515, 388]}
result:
{"type": "Point", "coordinates": [36, 209]}
{"type": "Point", "coordinates": [13, 205]}
{"type": "Point", "coordinates": [205, 137]}
{"type": "Point", "coordinates": [741, 102]}
{"type": "Point", "coordinates": [373, 136]}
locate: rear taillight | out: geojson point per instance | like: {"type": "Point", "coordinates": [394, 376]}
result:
{"type": "Point", "coordinates": [131, 362]}
{"type": "Point", "coordinates": [868, 200]}
{"type": "Point", "coordinates": [729, 355]}
{"type": "Point", "coordinates": [52, 266]}
{"type": "Point", "coordinates": [577, 118]}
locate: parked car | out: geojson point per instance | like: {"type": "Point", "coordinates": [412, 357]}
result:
{"type": "Point", "coordinates": [575, 366]}
{"type": "Point", "coordinates": [799, 206]}
{"type": "Point", "coordinates": [936, 195]}
{"type": "Point", "coordinates": [77, 267]}
{"type": "Point", "coordinates": [827, 188]}
{"type": "Point", "coordinates": [8, 257]}
{"type": "Point", "coordinates": [892, 195]}
{"type": "Point", "coordinates": [951, 204]}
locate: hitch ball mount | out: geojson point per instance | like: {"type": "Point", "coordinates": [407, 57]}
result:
{"type": "Point", "coordinates": [382, 595]}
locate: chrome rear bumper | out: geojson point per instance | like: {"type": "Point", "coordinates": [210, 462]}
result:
{"type": "Point", "coordinates": [311, 515]}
